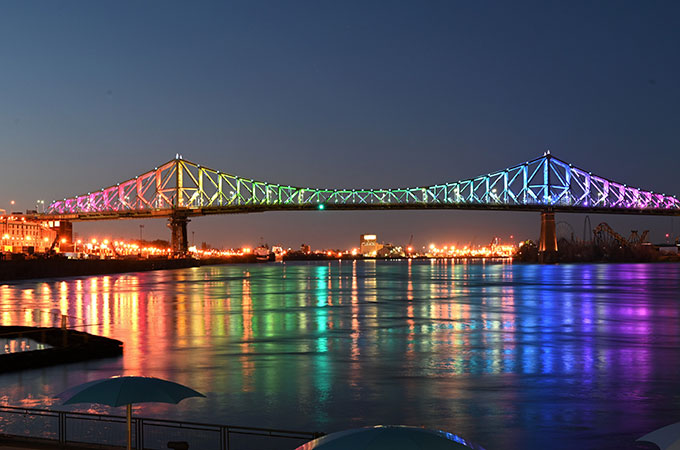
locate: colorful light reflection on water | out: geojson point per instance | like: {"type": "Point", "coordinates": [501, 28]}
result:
{"type": "Point", "coordinates": [510, 356]}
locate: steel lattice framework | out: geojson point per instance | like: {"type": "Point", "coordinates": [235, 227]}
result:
{"type": "Point", "coordinates": [180, 186]}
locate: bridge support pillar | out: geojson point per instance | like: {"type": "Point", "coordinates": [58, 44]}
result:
{"type": "Point", "coordinates": [64, 238]}
{"type": "Point", "coordinates": [178, 224]}
{"type": "Point", "coordinates": [547, 247]}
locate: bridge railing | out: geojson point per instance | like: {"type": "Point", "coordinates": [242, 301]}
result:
{"type": "Point", "coordinates": [102, 430]}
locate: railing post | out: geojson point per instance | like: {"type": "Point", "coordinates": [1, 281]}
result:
{"type": "Point", "coordinates": [62, 428]}
{"type": "Point", "coordinates": [139, 433]}
{"type": "Point", "coordinates": [64, 331]}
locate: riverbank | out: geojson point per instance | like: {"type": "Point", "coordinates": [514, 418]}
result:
{"type": "Point", "coordinates": [63, 267]}
{"type": "Point", "coordinates": [65, 346]}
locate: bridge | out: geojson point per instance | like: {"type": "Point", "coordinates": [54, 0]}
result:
{"type": "Point", "coordinates": [180, 189]}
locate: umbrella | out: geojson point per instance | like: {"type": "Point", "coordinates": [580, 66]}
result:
{"type": "Point", "coordinates": [392, 437]}
{"type": "Point", "coordinates": [667, 438]}
{"type": "Point", "coordinates": [119, 391]}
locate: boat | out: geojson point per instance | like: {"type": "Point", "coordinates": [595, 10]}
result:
{"type": "Point", "coordinates": [262, 253]}
{"type": "Point", "coordinates": [277, 253]}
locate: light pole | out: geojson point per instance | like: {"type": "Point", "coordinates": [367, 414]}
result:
{"type": "Point", "coordinates": [141, 227]}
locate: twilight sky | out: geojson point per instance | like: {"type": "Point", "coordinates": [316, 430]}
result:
{"type": "Point", "coordinates": [338, 94]}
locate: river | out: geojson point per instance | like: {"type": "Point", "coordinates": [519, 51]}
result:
{"type": "Point", "coordinates": [509, 356]}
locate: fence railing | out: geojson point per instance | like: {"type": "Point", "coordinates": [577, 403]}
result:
{"type": "Point", "coordinates": [107, 431]}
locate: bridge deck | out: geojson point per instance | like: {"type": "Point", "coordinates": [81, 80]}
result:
{"type": "Point", "coordinates": [207, 211]}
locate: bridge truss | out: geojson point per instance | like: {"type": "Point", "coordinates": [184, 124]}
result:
{"type": "Point", "coordinates": [181, 186]}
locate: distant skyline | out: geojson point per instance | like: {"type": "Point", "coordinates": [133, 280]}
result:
{"type": "Point", "coordinates": [346, 94]}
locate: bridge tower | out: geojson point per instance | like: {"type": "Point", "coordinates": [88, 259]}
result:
{"type": "Point", "coordinates": [179, 219]}
{"type": "Point", "coordinates": [547, 247]}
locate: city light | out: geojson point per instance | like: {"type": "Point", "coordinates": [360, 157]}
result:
{"type": "Point", "coordinates": [35, 237]}
{"type": "Point", "coordinates": [495, 250]}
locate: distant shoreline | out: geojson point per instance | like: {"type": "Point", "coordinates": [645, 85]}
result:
{"type": "Point", "coordinates": [14, 270]}
{"type": "Point", "coordinates": [31, 269]}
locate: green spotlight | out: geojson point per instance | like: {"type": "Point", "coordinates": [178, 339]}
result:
{"type": "Point", "coordinates": [321, 206]}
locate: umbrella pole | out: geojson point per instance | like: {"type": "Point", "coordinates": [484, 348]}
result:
{"type": "Point", "coordinates": [129, 426]}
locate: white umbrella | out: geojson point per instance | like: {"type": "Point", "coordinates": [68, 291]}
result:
{"type": "Point", "coordinates": [667, 438]}
{"type": "Point", "coordinates": [390, 437]}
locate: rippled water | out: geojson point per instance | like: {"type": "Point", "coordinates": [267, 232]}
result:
{"type": "Point", "coordinates": [509, 356]}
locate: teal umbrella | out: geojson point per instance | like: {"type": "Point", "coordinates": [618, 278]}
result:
{"type": "Point", "coordinates": [666, 438]}
{"type": "Point", "coordinates": [119, 391]}
{"type": "Point", "coordinates": [390, 437]}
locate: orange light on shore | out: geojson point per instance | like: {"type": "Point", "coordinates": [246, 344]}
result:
{"type": "Point", "coordinates": [492, 251]}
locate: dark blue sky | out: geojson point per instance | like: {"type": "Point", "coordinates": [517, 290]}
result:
{"type": "Point", "coordinates": [338, 94]}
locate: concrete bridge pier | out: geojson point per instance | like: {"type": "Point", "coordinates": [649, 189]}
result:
{"type": "Point", "coordinates": [64, 238]}
{"type": "Point", "coordinates": [178, 224]}
{"type": "Point", "coordinates": [547, 247]}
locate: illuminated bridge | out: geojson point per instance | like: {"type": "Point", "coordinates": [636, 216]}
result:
{"type": "Point", "coordinates": [180, 189]}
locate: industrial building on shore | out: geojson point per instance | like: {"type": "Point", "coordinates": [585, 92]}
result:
{"type": "Point", "coordinates": [20, 235]}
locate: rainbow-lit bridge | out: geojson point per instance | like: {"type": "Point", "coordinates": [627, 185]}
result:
{"type": "Point", "coordinates": [180, 189]}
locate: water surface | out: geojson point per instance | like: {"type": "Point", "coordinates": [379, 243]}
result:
{"type": "Point", "coordinates": [509, 356]}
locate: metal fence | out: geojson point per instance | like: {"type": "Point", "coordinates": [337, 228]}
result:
{"type": "Point", "coordinates": [106, 431]}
